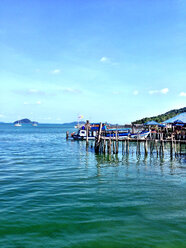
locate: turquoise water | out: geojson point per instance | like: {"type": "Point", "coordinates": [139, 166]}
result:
{"type": "Point", "coordinates": [54, 193]}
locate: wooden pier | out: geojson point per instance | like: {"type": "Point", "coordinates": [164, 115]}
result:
{"type": "Point", "coordinates": [147, 146]}
{"type": "Point", "coordinates": [155, 144]}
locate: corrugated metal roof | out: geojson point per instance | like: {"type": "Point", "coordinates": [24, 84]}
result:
{"type": "Point", "coordinates": [181, 117]}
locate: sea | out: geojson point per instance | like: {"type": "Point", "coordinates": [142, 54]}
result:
{"type": "Point", "coordinates": [55, 193]}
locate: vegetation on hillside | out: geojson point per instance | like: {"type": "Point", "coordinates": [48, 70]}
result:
{"type": "Point", "coordinates": [162, 117]}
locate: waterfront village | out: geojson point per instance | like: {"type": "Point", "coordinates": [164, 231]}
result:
{"type": "Point", "coordinates": [152, 134]}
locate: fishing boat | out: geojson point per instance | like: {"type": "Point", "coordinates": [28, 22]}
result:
{"type": "Point", "coordinates": [93, 132]}
{"type": "Point", "coordinates": [82, 132]}
{"type": "Point", "coordinates": [122, 133]}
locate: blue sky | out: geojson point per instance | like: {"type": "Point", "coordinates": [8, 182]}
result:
{"type": "Point", "coordinates": [109, 60]}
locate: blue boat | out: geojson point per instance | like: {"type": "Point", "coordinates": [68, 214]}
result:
{"type": "Point", "coordinates": [121, 133]}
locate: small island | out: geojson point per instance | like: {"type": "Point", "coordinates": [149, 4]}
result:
{"type": "Point", "coordinates": [25, 121]}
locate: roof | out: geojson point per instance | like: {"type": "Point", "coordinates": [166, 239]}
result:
{"type": "Point", "coordinates": [181, 118]}
{"type": "Point", "coordinates": [152, 123]}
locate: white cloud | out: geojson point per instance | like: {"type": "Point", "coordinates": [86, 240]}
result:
{"type": "Point", "coordinates": [135, 92]}
{"type": "Point", "coordinates": [27, 92]}
{"type": "Point", "coordinates": [28, 103]}
{"type": "Point", "coordinates": [153, 92]}
{"type": "Point", "coordinates": [47, 118]}
{"type": "Point", "coordinates": [182, 94]}
{"type": "Point", "coordinates": [2, 116]}
{"type": "Point", "coordinates": [109, 61]}
{"type": "Point", "coordinates": [104, 60]}
{"type": "Point", "coordinates": [33, 91]}
{"type": "Point", "coordinates": [71, 90]}
{"type": "Point", "coordinates": [116, 92]}
{"type": "Point", "coordinates": [162, 91]}
{"type": "Point", "coordinates": [56, 71]}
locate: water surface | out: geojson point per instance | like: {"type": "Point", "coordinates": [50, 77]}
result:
{"type": "Point", "coordinates": [54, 193]}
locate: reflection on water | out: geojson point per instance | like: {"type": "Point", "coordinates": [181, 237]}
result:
{"type": "Point", "coordinates": [165, 164]}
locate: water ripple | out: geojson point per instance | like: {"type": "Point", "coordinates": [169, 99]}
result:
{"type": "Point", "coordinates": [53, 193]}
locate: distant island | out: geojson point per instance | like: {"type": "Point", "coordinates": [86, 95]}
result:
{"type": "Point", "coordinates": [74, 123]}
{"type": "Point", "coordinates": [162, 117]}
{"type": "Point", "coordinates": [25, 121]}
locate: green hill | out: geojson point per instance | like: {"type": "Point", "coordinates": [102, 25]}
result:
{"type": "Point", "coordinates": [162, 117]}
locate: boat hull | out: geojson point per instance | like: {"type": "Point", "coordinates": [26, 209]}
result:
{"type": "Point", "coordinates": [142, 135]}
{"type": "Point", "coordinates": [78, 137]}
{"type": "Point", "coordinates": [119, 135]}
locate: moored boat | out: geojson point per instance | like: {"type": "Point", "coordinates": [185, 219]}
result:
{"type": "Point", "coordinates": [140, 135]}
{"type": "Point", "coordinates": [82, 134]}
{"type": "Point", "coordinates": [17, 124]}
{"type": "Point", "coordinates": [92, 132]}
{"type": "Point", "coordinates": [120, 133]}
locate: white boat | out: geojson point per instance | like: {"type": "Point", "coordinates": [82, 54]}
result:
{"type": "Point", "coordinates": [34, 124]}
{"type": "Point", "coordinates": [82, 134]}
{"type": "Point", "coordinates": [140, 135]}
{"type": "Point", "coordinates": [17, 124]}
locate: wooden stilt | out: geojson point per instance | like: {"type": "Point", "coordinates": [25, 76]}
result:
{"type": "Point", "coordinates": [175, 148]}
{"type": "Point", "coordinates": [108, 148]}
{"type": "Point", "coordinates": [151, 147]}
{"type": "Point", "coordinates": [104, 146]}
{"type": "Point", "coordinates": [97, 141]}
{"type": "Point", "coordinates": [127, 147]}
{"type": "Point", "coordinates": [110, 144]}
{"type": "Point", "coordinates": [99, 132]}
{"type": "Point", "coordinates": [145, 147]}
{"type": "Point", "coordinates": [162, 147]}
{"type": "Point", "coordinates": [114, 147]}
{"type": "Point", "coordinates": [171, 148]}
{"type": "Point", "coordinates": [123, 148]}
{"type": "Point", "coordinates": [139, 148]}
{"type": "Point", "coordinates": [156, 146]}
{"type": "Point", "coordinates": [180, 147]}
{"type": "Point", "coordinates": [117, 143]}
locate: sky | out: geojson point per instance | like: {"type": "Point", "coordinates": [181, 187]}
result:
{"type": "Point", "coordinates": [109, 60]}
